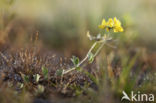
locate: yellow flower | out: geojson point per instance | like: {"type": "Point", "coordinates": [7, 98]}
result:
{"type": "Point", "coordinates": [118, 29]}
{"type": "Point", "coordinates": [103, 24]}
{"type": "Point", "coordinates": [117, 25]}
{"type": "Point", "coordinates": [110, 22]}
{"type": "Point", "coordinates": [116, 22]}
{"type": "Point", "coordinates": [113, 24]}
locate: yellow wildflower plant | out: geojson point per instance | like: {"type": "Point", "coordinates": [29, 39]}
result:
{"type": "Point", "coordinates": [99, 41]}
{"type": "Point", "coordinates": [113, 24]}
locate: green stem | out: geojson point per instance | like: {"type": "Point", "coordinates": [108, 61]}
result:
{"type": "Point", "coordinates": [92, 47]}
{"type": "Point", "coordinates": [99, 49]}
{"type": "Point", "coordinates": [82, 61]}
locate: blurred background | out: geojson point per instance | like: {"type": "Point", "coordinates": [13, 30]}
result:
{"type": "Point", "coordinates": [62, 24]}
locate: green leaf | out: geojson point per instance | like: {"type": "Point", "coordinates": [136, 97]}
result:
{"type": "Point", "coordinates": [59, 72]}
{"type": "Point", "coordinates": [75, 60]}
{"type": "Point", "coordinates": [36, 77]}
{"type": "Point", "coordinates": [45, 72]}
{"type": "Point", "coordinates": [78, 68]}
{"type": "Point", "coordinates": [90, 57]}
{"type": "Point", "coordinates": [25, 77]}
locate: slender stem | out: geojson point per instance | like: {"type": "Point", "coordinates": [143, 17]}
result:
{"type": "Point", "coordinates": [69, 70]}
{"type": "Point", "coordinates": [92, 47]}
{"type": "Point", "coordinates": [83, 60]}
{"type": "Point", "coordinates": [99, 49]}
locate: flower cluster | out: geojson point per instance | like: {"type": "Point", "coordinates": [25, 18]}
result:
{"type": "Point", "coordinates": [113, 24]}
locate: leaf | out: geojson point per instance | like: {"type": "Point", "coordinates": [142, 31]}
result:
{"type": "Point", "coordinates": [36, 77]}
{"type": "Point", "coordinates": [90, 57]}
{"type": "Point", "coordinates": [24, 77]}
{"type": "Point", "coordinates": [21, 86]}
{"type": "Point", "coordinates": [40, 89]}
{"type": "Point", "coordinates": [75, 60]}
{"type": "Point", "coordinates": [59, 72]}
{"type": "Point", "coordinates": [78, 68]}
{"type": "Point", "coordinates": [45, 72]}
